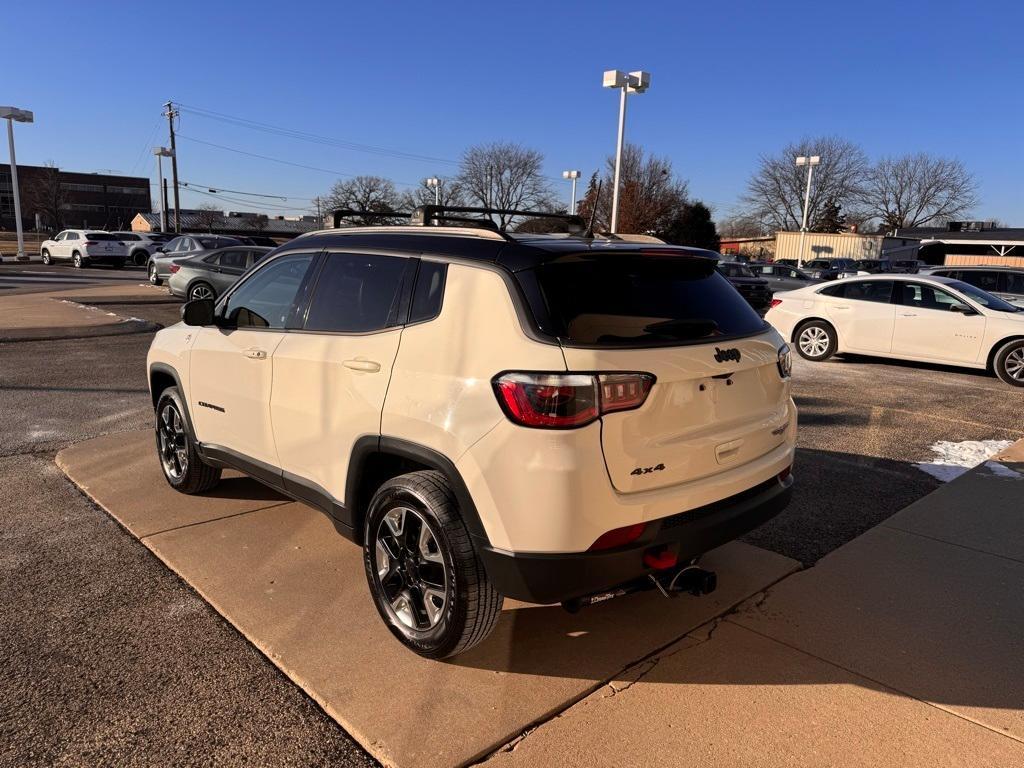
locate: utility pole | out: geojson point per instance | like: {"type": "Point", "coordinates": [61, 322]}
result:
{"type": "Point", "coordinates": [172, 113]}
{"type": "Point", "coordinates": [319, 215]}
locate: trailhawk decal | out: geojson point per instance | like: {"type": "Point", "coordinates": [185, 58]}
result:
{"type": "Point", "coordinates": [212, 407]}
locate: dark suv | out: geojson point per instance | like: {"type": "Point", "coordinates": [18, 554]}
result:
{"type": "Point", "coordinates": [1005, 282]}
{"type": "Point", "coordinates": [751, 287]}
{"type": "Point", "coordinates": [830, 269]}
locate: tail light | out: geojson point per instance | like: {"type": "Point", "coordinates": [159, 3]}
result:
{"type": "Point", "coordinates": [775, 303]}
{"type": "Point", "coordinates": [619, 537]}
{"type": "Point", "coordinates": [568, 400]}
{"type": "Point", "coordinates": [785, 361]}
{"type": "Point", "coordinates": [174, 268]}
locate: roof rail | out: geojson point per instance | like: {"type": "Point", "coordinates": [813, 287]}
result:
{"type": "Point", "coordinates": [349, 213]}
{"type": "Point", "coordinates": [427, 215]}
{"type": "Point", "coordinates": [632, 238]}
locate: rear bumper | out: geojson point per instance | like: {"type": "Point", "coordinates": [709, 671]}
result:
{"type": "Point", "coordinates": [552, 578]}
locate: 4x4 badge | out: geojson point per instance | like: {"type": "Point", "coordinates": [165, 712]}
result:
{"type": "Point", "coordinates": [721, 355]}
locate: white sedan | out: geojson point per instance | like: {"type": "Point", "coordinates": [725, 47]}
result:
{"type": "Point", "coordinates": [910, 317]}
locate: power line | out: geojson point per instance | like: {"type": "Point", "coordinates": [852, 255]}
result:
{"type": "Point", "coordinates": [312, 137]}
{"type": "Point", "coordinates": [250, 203]}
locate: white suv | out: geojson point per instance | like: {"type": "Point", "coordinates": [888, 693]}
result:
{"type": "Point", "coordinates": [548, 418]}
{"type": "Point", "coordinates": [83, 247]}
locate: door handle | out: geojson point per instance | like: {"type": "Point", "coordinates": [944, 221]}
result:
{"type": "Point", "coordinates": [256, 354]}
{"type": "Point", "coordinates": [841, 306]}
{"type": "Point", "coordinates": [908, 314]}
{"type": "Point", "coordinates": [368, 366]}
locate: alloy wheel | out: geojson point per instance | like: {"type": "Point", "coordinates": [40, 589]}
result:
{"type": "Point", "coordinates": [813, 341]}
{"type": "Point", "coordinates": [200, 292]}
{"type": "Point", "coordinates": [410, 568]}
{"type": "Point", "coordinates": [152, 273]}
{"type": "Point", "coordinates": [78, 260]}
{"type": "Point", "coordinates": [1014, 364]}
{"type": "Point", "coordinates": [173, 441]}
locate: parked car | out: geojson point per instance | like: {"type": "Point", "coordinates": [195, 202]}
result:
{"type": "Point", "coordinates": [782, 277]}
{"type": "Point", "coordinates": [888, 266]}
{"type": "Point", "coordinates": [787, 262]}
{"type": "Point", "coordinates": [183, 247]}
{"type": "Point", "coordinates": [1005, 282]}
{"type": "Point", "coordinates": [831, 269]}
{"type": "Point", "coordinates": [209, 275]}
{"type": "Point", "coordinates": [141, 245]}
{"type": "Point", "coordinates": [751, 287]}
{"type": "Point", "coordinates": [564, 416]}
{"type": "Point", "coordinates": [910, 317]}
{"type": "Point", "coordinates": [83, 248]}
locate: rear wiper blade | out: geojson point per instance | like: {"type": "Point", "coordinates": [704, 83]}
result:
{"type": "Point", "coordinates": [684, 327]}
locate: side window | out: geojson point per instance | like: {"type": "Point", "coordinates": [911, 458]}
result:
{"type": "Point", "coordinates": [927, 297]}
{"type": "Point", "coordinates": [233, 259]}
{"type": "Point", "coordinates": [834, 290]}
{"type": "Point", "coordinates": [358, 293]}
{"type": "Point", "coordinates": [429, 290]}
{"type": "Point", "coordinates": [257, 255]}
{"type": "Point", "coordinates": [1014, 282]}
{"type": "Point", "coordinates": [61, 236]}
{"type": "Point", "coordinates": [984, 279]}
{"type": "Point", "coordinates": [268, 298]}
{"type": "Point", "coordinates": [879, 291]}
{"type": "Point", "coordinates": [71, 236]}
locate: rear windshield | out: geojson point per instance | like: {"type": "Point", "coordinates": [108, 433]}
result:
{"type": "Point", "coordinates": [636, 300]}
{"type": "Point", "coordinates": [100, 236]}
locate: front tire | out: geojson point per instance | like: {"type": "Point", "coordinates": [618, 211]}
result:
{"type": "Point", "coordinates": [176, 451]}
{"type": "Point", "coordinates": [153, 278]}
{"type": "Point", "coordinates": [1009, 363]}
{"type": "Point", "coordinates": [426, 580]}
{"type": "Point", "coordinates": [139, 258]}
{"type": "Point", "coordinates": [46, 258]}
{"type": "Point", "coordinates": [816, 340]}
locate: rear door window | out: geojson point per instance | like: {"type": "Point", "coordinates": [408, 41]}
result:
{"type": "Point", "coordinates": [233, 260]}
{"type": "Point", "coordinates": [358, 293]}
{"type": "Point", "coordinates": [100, 236]}
{"type": "Point", "coordinates": [1014, 282]}
{"type": "Point", "coordinates": [869, 290]}
{"type": "Point", "coordinates": [636, 299]}
{"type": "Point", "coordinates": [982, 278]}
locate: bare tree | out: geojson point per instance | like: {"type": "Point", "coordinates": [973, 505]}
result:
{"type": "Point", "coordinates": [258, 223]}
{"type": "Point", "coordinates": [451, 193]}
{"type": "Point", "coordinates": [743, 224]}
{"type": "Point", "coordinates": [775, 193]}
{"type": "Point", "coordinates": [504, 175]}
{"type": "Point", "coordinates": [370, 194]}
{"type": "Point", "coordinates": [207, 215]}
{"type": "Point", "coordinates": [914, 190]}
{"type": "Point", "coordinates": [650, 198]}
{"type": "Point", "coordinates": [45, 196]}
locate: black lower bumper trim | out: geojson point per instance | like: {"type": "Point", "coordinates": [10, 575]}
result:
{"type": "Point", "coordinates": [554, 578]}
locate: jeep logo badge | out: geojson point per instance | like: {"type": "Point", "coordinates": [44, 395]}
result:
{"type": "Point", "coordinates": [721, 355]}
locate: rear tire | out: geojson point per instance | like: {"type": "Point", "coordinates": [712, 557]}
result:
{"type": "Point", "coordinates": [153, 279]}
{"type": "Point", "coordinates": [46, 258]}
{"type": "Point", "coordinates": [139, 258]}
{"type": "Point", "coordinates": [1009, 363]}
{"type": "Point", "coordinates": [201, 291]}
{"type": "Point", "coordinates": [815, 340]}
{"type": "Point", "coordinates": [77, 260]}
{"type": "Point", "coordinates": [426, 580]}
{"type": "Point", "coordinates": [176, 451]}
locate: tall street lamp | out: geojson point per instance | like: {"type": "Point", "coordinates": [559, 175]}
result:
{"type": "Point", "coordinates": [573, 175]}
{"type": "Point", "coordinates": [434, 183]}
{"type": "Point", "coordinates": [632, 82]}
{"type": "Point", "coordinates": [161, 153]}
{"type": "Point", "coordinates": [810, 162]}
{"type": "Point", "coordinates": [22, 116]}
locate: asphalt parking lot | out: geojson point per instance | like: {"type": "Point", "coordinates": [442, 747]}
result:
{"type": "Point", "coordinates": [87, 604]}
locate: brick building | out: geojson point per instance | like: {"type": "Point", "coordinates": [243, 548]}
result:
{"type": "Point", "coordinates": [69, 199]}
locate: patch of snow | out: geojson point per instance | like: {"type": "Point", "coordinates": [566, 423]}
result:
{"type": "Point", "coordinates": [953, 459]}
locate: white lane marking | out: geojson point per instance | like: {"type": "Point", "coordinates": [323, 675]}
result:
{"type": "Point", "coordinates": [953, 459]}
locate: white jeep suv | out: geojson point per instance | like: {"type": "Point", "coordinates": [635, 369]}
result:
{"type": "Point", "coordinates": [548, 418]}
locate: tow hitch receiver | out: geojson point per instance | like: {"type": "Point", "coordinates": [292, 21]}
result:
{"type": "Point", "coordinates": [689, 578]}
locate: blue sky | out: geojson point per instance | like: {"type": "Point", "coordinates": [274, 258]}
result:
{"type": "Point", "coordinates": [730, 81]}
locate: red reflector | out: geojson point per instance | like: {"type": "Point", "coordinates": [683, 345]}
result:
{"type": "Point", "coordinates": [785, 473]}
{"type": "Point", "coordinates": [622, 391]}
{"type": "Point", "coordinates": [775, 303]}
{"type": "Point", "coordinates": [619, 536]}
{"type": "Point", "coordinates": [659, 560]}
{"type": "Point", "coordinates": [174, 268]}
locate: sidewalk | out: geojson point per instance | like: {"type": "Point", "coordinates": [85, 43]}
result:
{"type": "Point", "coordinates": [901, 648]}
{"type": "Point", "coordinates": [60, 314]}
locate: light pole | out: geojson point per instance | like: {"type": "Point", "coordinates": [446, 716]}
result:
{"type": "Point", "coordinates": [22, 116]}
{"type": "Point", "coordinates": [573, 175]}
{"type": "Point", "coordinates": [810, 162]}
{"type": "Point", "coordinates": [633, 82]}
{"type": "Point", "coordinates": [434, 183]}
{"type": "Point", "coordinates": [161, 153]}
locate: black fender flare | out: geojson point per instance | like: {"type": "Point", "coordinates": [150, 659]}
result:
{"type": "Point", "coordinates": [370, 445]}
{"type": "Point", "coordinates": [164, 368]}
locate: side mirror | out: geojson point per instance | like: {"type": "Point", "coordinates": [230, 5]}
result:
{"type": "Point", "coordinates": [159, 249]}
{"type": "Point", "coordinates": [963, 309]}
{"type": "Point", "coordinates": [198, 312]}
